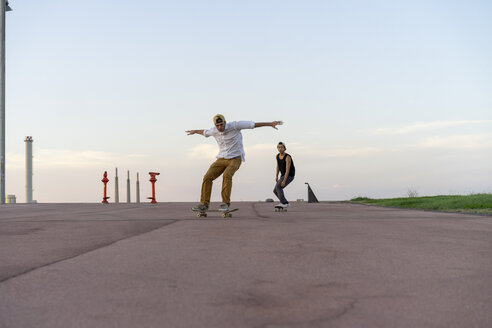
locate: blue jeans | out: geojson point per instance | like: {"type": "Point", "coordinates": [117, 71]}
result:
{"type": "Point", "coordinates": [279, 191]}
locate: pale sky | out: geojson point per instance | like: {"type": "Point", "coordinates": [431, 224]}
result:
{"type": "Point", "coordinates": [378, 97]}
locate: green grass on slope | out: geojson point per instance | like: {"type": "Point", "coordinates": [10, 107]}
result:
{"type": "Point", "coordinates": [475, 203]}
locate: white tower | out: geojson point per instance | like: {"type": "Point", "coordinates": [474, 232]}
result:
{"type": "Point", "coordinates": [28, 142]}
{"type": "Point", "coordinates": [138, 190]}
{"type": "Point", "coordinates": [116, 188]}
{"type": "Point", "coordinates": [128, 186]}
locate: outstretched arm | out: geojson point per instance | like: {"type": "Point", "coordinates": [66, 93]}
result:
{"type": "Point", "coordinates": [272, 124]}
{"type": "Point", "coordinates": [190, 132]}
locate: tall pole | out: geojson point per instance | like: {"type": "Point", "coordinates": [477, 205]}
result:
{"type": "Point", "coordinates": [128, 186]}
{"type": "Point", "coordinates": [28, 142]}
{"type": "Point", "coordinates": [137, 194]}
{"type": "Point", "coordinates": [116, 187]}
{"type": "Point", "coordinates": [3, 6]}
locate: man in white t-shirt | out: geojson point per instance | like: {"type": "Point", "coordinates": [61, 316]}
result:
{"type": "Point", "coordinates": [231, 154]}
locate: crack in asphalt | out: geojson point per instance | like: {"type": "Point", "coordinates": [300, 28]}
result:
{"type": "Point", "coordinates": [318, 322]}
{"type": "Point", "coordinates": [82, 253]}
{"type": "Point", "coordinates": [253, 206]}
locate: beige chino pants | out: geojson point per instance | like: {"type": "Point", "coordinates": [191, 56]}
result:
{"type": "Point", "coordinates": [227, 167]}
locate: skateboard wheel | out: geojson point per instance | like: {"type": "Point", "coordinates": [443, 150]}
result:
{"type": "Point", "coordinates": [224, 215]}
{"type": "Point", "coordinates": [198, 215]}
{"type": "Point", "coordinates": [230, 215]}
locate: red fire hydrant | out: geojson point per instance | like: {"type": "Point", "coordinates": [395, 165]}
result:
{"type": "Point", "coordinates": [153, 180]}
{"type": "Point", "coordinates": [105, 181]}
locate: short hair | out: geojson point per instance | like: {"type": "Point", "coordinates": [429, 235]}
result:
{"type": "Point", "coordinates": [281, 143]}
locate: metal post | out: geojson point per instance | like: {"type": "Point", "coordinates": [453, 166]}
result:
{"type": "Point", "coordinates": [138, 190]}
{"type": "Point", "coordinates": [3, 6]}
{"type": "Point", "coordinates": [28, 142]}
{"type": "Point", "coordinates": [153, 180]}
{"type": "Point", "coordinates": [128, 186]}
{"type": "Point", "coordinates": [105, 180]}
{"type": "Point", "coordinates": [116, 191]}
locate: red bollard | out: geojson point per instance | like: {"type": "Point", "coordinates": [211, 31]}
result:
{"type": "Point", "coordinates": [105, 181]}
{"type": "Point", "coordinates": [153, 180]}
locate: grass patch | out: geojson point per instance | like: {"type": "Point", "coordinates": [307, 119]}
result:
{"type": "Point", "coordinates": [475, 203]}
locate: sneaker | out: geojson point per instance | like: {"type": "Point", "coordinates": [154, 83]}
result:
{"type": "Point", "coordinates": [200, 207]}
{"type": "Point", "coordinates": [224, 207]}
{"type": "Point", "coordinates": [285, 205]}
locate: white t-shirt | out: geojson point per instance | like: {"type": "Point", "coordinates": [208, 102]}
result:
{"type": "Point", "coordinates": [231, 140]}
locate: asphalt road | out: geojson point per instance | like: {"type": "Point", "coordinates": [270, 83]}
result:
{"type": "Point", "coordinates": [317, 265]}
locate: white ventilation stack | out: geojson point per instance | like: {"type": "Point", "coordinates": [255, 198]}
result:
{"type": "Point", "coordinates": [28, 142]}
{"type": "Point", "coordinates": [116, 188]}
{"type": "Point", "coordinates": [137, 194]}
{"type": "Point", "coordinates": [128, 187]}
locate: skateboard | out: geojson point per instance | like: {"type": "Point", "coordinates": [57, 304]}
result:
{"type": "Point", "coordinates": [225, 214]}
{"type": "Point", "coordinates": [280, 209]}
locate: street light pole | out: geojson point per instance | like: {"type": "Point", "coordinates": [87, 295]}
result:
{"type": "Point", "coordinates": [4, 6]}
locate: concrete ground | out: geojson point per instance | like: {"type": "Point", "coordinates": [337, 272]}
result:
{"type": "Point", "coordinates": [317, 265]}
